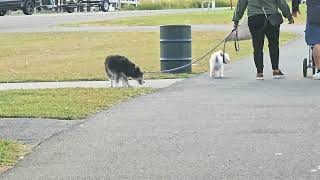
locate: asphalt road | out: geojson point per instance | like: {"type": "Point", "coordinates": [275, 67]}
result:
{"type": "Point", "coordinates": [32, 131]}
{"type": "Point", "coordinates": [45, 22]}
{"type": "Point", "coordinates": [200, 128]}
{"type": "Point", "coordinates": [49, 22]}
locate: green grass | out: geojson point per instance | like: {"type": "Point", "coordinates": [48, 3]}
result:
{"type": "Point", "coordinates": [67, 103]}
{"type": "Point", "coordinates": [195, 18]}
{"type": "Point", "coordinates": [173, 4]}
{"type": "Point", "coordinates": [10, 153]}
{"type": "Point", "coordinates": [80, 56]}
{"type": "Point", "coordinates": [215, 17]}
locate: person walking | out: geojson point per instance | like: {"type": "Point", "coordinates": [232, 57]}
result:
{"type": "Point", "coordinates": [312, 33]}
{"type": "Point", "coordinates": [264, 19]}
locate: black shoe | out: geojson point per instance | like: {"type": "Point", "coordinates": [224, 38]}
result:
{"type": "Point", "coordinates": [259, 76]}
{"type": "Point", "coordinates": [278, 74]}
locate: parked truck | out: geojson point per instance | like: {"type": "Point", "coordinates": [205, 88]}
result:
{"type": "Point", "coordinates": [104, 5]}
{"type": "Point", "coordinates": [27, 6]}
{"type": "Point", "coordinates": [74, 5]}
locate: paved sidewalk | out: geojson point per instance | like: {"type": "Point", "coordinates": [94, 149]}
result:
{"type": "Point", "coordinates": [200, 128]}
{"type": "Point", "coordinates": [159, 83]}
{"type": "Point", "coordinates": [33, 131]}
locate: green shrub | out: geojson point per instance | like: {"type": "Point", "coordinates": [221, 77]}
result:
{"type": "Point", "coordinates": [225, 3]}
{"type": "Point", "coordinates": [196, 4]}
{"type": "Point", "coordinates": [174, 4]}
{"type": "Point", "coordinates": [128, 7]}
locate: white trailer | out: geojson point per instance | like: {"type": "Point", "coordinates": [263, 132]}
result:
{"type": "Point", "coordinates": [83, 5]}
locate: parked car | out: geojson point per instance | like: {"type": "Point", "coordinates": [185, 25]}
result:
{"type": "Point", "coordinates": [27, 6]}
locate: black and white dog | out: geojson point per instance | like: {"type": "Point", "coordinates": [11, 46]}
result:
{"type": "Point", "coordinates": [217, 62]}
{"type": "Point", "coordinates": [119, 67]}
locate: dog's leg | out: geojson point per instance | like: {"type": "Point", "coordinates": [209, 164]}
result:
{"type": "Point", "coordinates": [211, 71]}
{"type": "Point", "coordinates": [117, 78]}
{"type": "Point", "coordinates": [111, 82]}
{"type": "Point", "coordinates": [114, 81]}
{"type": "Point", "coordinates": [110, 77]}
{"type": "Point", "coordinates": [218, 73]}
{"type": "Point", "coordinates": [221, 71]}
{"type": "Point", "coordinates": [121, 79]}
{"type": "Point", "coordinates": [126, 82]}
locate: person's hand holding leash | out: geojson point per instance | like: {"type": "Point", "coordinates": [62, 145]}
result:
{"type": "Point", "coordinates": [291, 21]}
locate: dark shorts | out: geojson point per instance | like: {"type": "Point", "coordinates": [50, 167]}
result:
{"type": "Point", "coordinates": [312, 34]}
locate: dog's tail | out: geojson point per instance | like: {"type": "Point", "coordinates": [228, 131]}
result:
{"type": "Point", "coordinates": [106, 64]}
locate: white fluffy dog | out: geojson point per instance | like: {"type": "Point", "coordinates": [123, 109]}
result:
{"type": "Point", "coordinates": [217, 63]}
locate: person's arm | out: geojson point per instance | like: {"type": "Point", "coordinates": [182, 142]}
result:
{"type": "Point", "coordinates": [284, 7]}
{"type": "Point", "coordinates": [295, 7]}
{"type": "Point", "coordinates": [239, 11]}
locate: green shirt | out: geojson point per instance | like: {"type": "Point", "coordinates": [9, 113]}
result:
{"type": "Point", "coordinates": [255, 8]}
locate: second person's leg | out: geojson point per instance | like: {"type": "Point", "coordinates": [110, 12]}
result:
{"type": "Point", "coordinates": [272, 33]}
{"type": "Point", "coordinates": [256, 24]}
{"type": "Point", "coordinates": [316, 57]}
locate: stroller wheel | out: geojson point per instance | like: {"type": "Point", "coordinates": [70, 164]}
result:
{"type": "Point", "coordinates": [305, 67]}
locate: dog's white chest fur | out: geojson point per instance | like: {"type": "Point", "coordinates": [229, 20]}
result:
{"type": "Point", "coordinates": [217, 64]}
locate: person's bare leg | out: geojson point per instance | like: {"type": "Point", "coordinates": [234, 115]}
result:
{"type": "Point", "coordinates": [316, 55]}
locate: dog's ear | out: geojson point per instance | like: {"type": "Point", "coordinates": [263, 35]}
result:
{"type": "Point", "coordinates": [138, 71]}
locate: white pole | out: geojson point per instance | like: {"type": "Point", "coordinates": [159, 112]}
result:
{"type": "Point", "coordinates": [213, 4]}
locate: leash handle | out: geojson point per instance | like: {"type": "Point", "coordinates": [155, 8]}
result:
{"type": "Point", "coordinates": [236, 42]}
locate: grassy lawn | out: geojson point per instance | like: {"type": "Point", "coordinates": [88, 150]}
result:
{"type": "Point", "coordinates": [216, 17]}
{"type": "Point", "coordinates": [66, 103]}
{"type": "Point", "coordinates": [80, 55]}
{"type": "Point", "coordinates": [10, 153]}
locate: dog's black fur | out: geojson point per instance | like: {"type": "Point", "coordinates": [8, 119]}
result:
{"type": "Point", "coordinates": [119, 67]}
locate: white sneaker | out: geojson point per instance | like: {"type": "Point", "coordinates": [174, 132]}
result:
{"type": "Point", "coordinates": [316, 76]}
